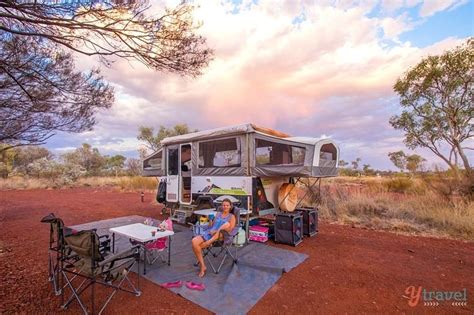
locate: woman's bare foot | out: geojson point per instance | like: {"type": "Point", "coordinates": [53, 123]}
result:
{"type": "Point", "coordinates": [202, 272]}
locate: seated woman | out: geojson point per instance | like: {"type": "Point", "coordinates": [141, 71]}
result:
{"type": "Point", "coordinates": [224, 221]}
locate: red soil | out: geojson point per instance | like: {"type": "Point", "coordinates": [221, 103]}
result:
{"type": "Point", "coordinates": [349, 270]}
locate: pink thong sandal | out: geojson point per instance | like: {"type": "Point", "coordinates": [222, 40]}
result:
{"type": "Point", "coordinates": [169, 285]}
{"type": "Point", "coordinates": [195, 286]}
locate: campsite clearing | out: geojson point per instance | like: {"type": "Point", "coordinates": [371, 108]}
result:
{"type": "Point", "coordinates": [348, 268]}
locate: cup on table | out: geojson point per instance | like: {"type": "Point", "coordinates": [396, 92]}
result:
{"type": "Point", "coordinates": [153, 233]}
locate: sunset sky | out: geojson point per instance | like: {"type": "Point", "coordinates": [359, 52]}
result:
{"type": "Point", "coordinates": [307, 68]}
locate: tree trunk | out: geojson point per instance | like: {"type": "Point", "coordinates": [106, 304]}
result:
{"type": "Point", "coordinates": [465, 161]}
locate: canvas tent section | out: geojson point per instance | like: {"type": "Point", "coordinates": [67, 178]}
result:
{"type": "Point", "coordinates": [293, 156]}
{"type": "Point", "coordinates": [248, 150]}
{"type": "Point", "coordinates": [222, 156]}
{"type": "Point", "coordinates": [154, 164]}
{"type": "Point", "coordinates": [326, 159]}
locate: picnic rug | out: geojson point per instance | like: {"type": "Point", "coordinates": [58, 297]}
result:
{"type": "Point", "coordinates": [237, 287]}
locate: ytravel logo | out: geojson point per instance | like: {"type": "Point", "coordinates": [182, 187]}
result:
{"type": "Point", "coordinates": [421, 296]}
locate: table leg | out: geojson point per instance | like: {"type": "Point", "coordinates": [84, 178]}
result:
{"type": "Point", "coordinates": [145, 253]}
{"type": "Point", "coordinates": [113, 242]}
{"type": "Point", "coordinates": [169, 250]}
{"type": "Point", "coordinates": [247, 218]}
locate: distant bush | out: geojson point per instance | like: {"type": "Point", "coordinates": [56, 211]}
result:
{"type": "Point", "coordinates": [449, 186]}
{"type": "Point", "coordinates": [349, 172]}
{"type": "Point", "coordinates": [59, 174]}
{"type": "Point", "coordinates": [398, 184]}
{"type": "Point", "coordinates": [138, 183]}
{"type": "Point", "coordinates": [419, 210]}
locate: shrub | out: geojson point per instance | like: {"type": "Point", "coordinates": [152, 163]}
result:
{"type": "Point", "coordinates": [420, 211]}
{"type": "Point", "coordinates": [399, 184]}
{"type": "Point", "coordinates": [449, 186]}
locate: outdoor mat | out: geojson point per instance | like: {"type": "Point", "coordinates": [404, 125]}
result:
{"type": "Point", "coordinates": [237, 287]}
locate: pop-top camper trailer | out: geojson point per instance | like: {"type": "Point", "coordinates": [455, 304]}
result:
{"type": "Point", "coordinates": [246, 162]}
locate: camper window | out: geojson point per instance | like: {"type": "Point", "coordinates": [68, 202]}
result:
{"type": "Point", "coordinates": [155, 161]}
{"type": "Point", "coordinates": [328, 152]}
{"type": "Point", "coordinates": [273, 153]}
{"type": "Point", "coordinates": [173, 163]}
{"type": "Point", "coordinates": [219, 153]}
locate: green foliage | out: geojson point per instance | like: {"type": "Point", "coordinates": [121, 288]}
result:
{"type": "Point", "coordinates": [412, 163]}
{"type": "Point", "coordinates": [436, 97]}
{"type": "Point", "coordinates": [59, 174]}
{"type": "Point", "coordinates": [398, 159]}
{"type": "Point", "coordinates": [86, 157]}
{"type": "Point", "coordinates": [367, 170]}
{"type": "Point", "coordinates": [152, 140]}
{"type": "Point", "coordinates": [348, 172]}
{"type": "Point", "coordinates": [26, 155]}
{"type": "Point", "coordinates": [115, 163]}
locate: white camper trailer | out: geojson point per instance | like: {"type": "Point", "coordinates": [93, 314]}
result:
{"type": "Point", "coordinates": [246, 162]}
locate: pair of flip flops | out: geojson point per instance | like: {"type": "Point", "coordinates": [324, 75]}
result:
{"type": "Point", "coordinates": [189, 284]}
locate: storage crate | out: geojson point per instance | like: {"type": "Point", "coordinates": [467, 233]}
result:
{"type": "Point", "coordinates": [258, 233]}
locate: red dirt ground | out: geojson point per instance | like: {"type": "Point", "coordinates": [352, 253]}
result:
{"type": "Point", "coordinates": [349, 270]}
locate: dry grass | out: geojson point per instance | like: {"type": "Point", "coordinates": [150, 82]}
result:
{"type": "Point", "coordinates": [397, 204]}
{"type": "Point", "coordinates": [138, 183]}
{"type": "Point", "coordinates": [135, 183]}
{"type": "Point", "coordinates": [374, 203]}
{"type": "Point", "coordinates": [18, 183]}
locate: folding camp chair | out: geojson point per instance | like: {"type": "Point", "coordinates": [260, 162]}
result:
{"type": "Point", "coordinates": [223, 246]}
{"type": "Point", "coordinates": [57, 250]}
{"type": "Point", "coordinates": [96, 266]}
{"type": "Point", "coordinates": [58, 253]}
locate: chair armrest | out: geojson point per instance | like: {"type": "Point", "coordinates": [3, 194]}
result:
{"type": "Point", "coordinates": [123, 254]}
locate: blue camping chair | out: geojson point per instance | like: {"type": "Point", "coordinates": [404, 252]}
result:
{"type": "Point", "coordinates": [223, 246]}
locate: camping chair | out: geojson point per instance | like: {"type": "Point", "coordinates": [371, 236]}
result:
{"type": "Point", "coordinates": [58, 252]}
{"type": "Point", "coordinates": [97, 266]}
{"type": "Point", "coordinates": [223, 246]}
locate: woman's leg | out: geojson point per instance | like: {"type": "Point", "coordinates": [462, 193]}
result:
{"type": "Point", "coordinates": [215, 237]}
{"type": "Point", "coordinates": [197, 249]}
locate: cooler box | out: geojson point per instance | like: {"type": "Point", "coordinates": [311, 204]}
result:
{"type": "Point", "coordinates": [258, 233]}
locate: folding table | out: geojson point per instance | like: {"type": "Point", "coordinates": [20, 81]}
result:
{"type": "Point", "coordinates": [142, 234]}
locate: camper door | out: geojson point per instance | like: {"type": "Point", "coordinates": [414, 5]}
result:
{"type": "Point", "coordinates": [172, 178]}
{"type": "Point", "coordinates": [178, 184]}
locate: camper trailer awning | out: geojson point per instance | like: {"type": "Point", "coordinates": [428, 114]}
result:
{"type": "Point", "coordinates": [225, 131]}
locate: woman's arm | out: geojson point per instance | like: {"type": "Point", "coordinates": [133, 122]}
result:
{"type": "Point", "coordinates": [230, 226]}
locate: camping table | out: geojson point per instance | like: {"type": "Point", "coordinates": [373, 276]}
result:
{"type": "Point", "coordinates": [142, 234]}
{"type": "Point", "coordinates": [243, 212]}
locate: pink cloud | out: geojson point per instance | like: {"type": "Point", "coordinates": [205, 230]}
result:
{"type": "Point", "coordinates": [279, 73]}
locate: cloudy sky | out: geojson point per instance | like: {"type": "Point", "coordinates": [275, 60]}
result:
{"type": "Point", "coordinates": [307, 68]}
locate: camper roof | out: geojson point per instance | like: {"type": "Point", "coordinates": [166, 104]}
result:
{"type": "Point", "coordinates": [224, 131]}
